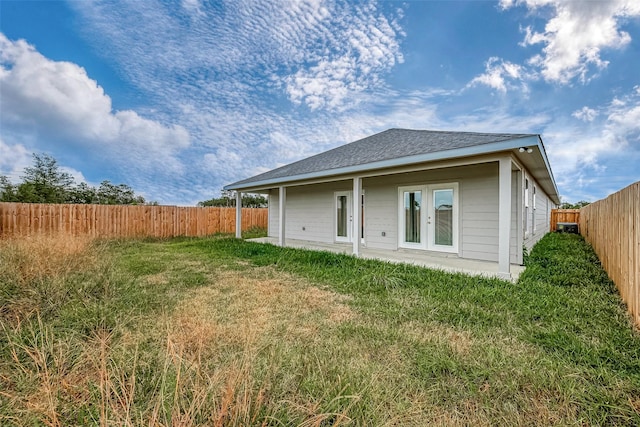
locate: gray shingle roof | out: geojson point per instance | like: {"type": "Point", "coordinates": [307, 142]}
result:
{"type": "Point", "coordinates": [386, 145]}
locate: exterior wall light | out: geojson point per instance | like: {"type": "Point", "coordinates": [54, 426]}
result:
{"type": "Point", "coordinates": [523, 149]}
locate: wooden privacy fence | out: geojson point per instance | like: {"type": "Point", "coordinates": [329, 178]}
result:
{"type": "Point", "coordinates": [612, 227]}
{"type": "Point", "coordinates": [564, 215]}
{"type": "Point", "coordinates": [124, 220]}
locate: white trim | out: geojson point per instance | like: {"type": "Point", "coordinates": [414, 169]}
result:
{"type": "Point", "coordinates": [504, 217]}
{"type": "Point", "coordinates": [427, 227]}
{"type": "Point", "coordinates": [238, 215]}
{"type": "Point", "coordinates": [363, 216]}
{"type": "Point", "coordinates": [349, 216]}
{"type": "Point", "coordinates": [269, 214]}
{"type": "Point", "coordinates": [489, 148]}
{"type": "Point", "coordinates": [401, 217]}
{"type": "Point", "coordinates": [282, 200]}
{"type": "Point", "coordinates": [439, 164]}
{"type": "Point", "coordinates": [462, 156]}
{"type": "Point", "coordinates": [533, 210]}
{"type": "Point", "coordinates": [356, 215]}
{"type": "Point", "coordinates": [519, 213]}
{"type": "Point", "coordinates": [431, 220]}
{"type": "Point", "coordinates": [527, 211]}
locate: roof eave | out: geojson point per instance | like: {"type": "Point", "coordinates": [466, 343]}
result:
{"type": "Point", "coordinates": [492, 147]}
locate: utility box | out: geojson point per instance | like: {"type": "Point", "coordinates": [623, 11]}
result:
{"type": "Point", "coordinates": [567, 227]}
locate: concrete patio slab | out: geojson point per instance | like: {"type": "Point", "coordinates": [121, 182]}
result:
{"type": "Point", "coordinates": [434, 260]}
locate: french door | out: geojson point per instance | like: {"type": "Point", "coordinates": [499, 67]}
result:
{"type": "Point", "coordinates": [428, 217]}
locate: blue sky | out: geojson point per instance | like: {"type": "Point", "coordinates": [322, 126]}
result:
{"type": "Point", "coordinates": [179, 98]}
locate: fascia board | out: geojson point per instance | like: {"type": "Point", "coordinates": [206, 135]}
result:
{"type": "Point", "coordinates": [400, 161]}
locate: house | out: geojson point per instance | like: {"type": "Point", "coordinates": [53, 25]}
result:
{"type": "Point", "coordinates": [464, 195]}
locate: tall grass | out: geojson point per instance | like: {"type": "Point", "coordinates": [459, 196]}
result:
{"type": "Point", "coordinates": [88, 337]}
{"type": "Point", "coordinates": [39, 274]}
{"type": "Point", "coordinates": [223, 332]}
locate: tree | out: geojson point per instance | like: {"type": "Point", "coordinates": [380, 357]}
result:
{"type": "Point", "coordinates": [577, 205]}
{"type": "Point", "coordinates": [110, 194]}
{"type": "Point", "coordinates": [8, 191]}
{"type": "Point", "coordinates": [228, 199]}
{"type": "Point", "coordinates": [83, 194]}
{"type": "Point", "coordinates": [44, 182]}
{"type": "Point", "coordinates": [254, 201]}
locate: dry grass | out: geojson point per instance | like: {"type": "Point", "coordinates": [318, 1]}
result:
{"type": "Point", "coordinates": [208, 365]}
{"type": "Point", "coordinates": [243, 310]}
{"type": "Point", "coordinates": [45, 256]}
{"type": "Point", "coordinates": [35, 272]}
{"type": "Point", "coordinates": [460, 341]}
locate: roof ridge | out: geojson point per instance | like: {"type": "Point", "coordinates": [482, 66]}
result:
{"type": "Point", "coordinates": [458, 132]}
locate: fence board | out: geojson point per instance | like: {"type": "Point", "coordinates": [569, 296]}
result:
{"type": "Point", "coordinates": [564, 215]}
{"type": "Point", "coordinates": [124, 221]}
{"type": "Point", "coordinates": [612, 227]}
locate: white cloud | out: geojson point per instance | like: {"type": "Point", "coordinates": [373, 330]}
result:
{"type": "Point", "coordinates": [623, 120]}
{"type": "Point", "coordinates": [573, 38]}
{"type": "Point", "coordinates": [319, 53]}
{"type": "Point", "coordinates": [13, 160]}
{"type": "Point", "coordinates": [585, 114]}
{"type": "Point", "coordinates": [77, 176]}
{"type": "Point", "coordinates": [575, 35]}
{"type": "Point", "coordinates": [579, 154]}
{"type": "Point", "coordinates": [362, 46]}
{"type": "Point", "coordinates": [502, 75]}
{"type": "Point", "coordinates": [238, 76]}
{"type": "Point", "coordinates": [58, 100]}
{"type": "Point", "coordinates": [193, 7]}
{"type": "Point", "coordinates": [329, 56]}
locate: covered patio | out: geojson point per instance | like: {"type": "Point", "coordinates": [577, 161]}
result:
{"type": "Point", "coordinates": [434, 260]}
{"type": "Point", "coordinates": [463, 202]}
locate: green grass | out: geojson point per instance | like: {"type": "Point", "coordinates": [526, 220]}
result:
{"type": "Point", "coordinates": [220, 331]}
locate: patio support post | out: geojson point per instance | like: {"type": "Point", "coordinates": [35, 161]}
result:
{"type": "Point", "coordinates": [357, 215]}
{"type": "Point", "coordinates": [504, 218]}
{"type": "Point", "coordinates": [238, 215]}
{"type": "Point", "coordinates": [282, 204]}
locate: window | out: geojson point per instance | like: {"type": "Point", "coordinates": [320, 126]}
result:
{"type": "Point", "coordinates": [533, 212]}
{"type": "Point", "coordinates": [527, 217]}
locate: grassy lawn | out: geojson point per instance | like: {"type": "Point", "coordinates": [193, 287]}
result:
{"type": "Point", "coordinates": [224, 332]}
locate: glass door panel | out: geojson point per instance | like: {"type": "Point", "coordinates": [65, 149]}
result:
{"type": "Point", "coordinates": [443, 217]}
{"type": "Point", "coordinates": [411, 212]}
{"type": "Point", "coordinates": [362, 218]}
{"type": "Point", "coordinates": [343, 217]}
{"type": "Point", "coordinates": [412, 205]}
